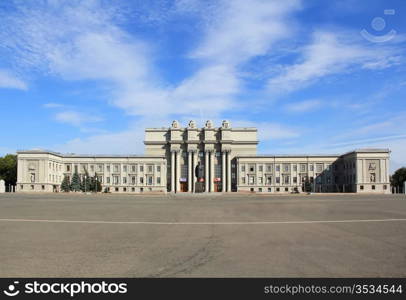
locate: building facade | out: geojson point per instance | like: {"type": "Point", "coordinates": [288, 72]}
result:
{"type": "Point", "coordinates": [209, 159]}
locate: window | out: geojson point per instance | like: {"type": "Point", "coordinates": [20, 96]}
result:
{"type": "Point", "coordinates": [302, 168]}
{"type": "Point", "coordinates": [116, 180]}
{"type": "Point", "coordinates": [142, 180]}
{"type": "Point", "coordinates": [286, 179]}
{"type": "Point", "coordinates": [91, 168]}
{"type": "Point", "coordinates": [116, 168]}
{"type": "Point", "coordinates": [252, 189]}
{"type": "Point", "coordinates": [311, 168]}
{"type": "Point", "coordinates": [260, 180]}
{"type": "Point", "coordinates": [100, 168]}
{"type": "Point", "coordinates": [133, 168]}
{"type": "Point", "coordinates": [278, 189]}
{"type": "Point", "coordinates": [251, 180]}
{"type": "Point", "coordinates": [269, 189]}
{"type": "Point", "coordinates": [286, 168]}
{"type": "Point", "coordinates": [108, 168]}
{"type": "Point", "coordinates": [260, 190]}
{"type": "Point", "coordinates": [116, 189]}
{"type": "Point", "coordinates": [243, 180]}
{"type": "Point", "coordinates": [319, 167]}
{"type": "Point", "coordinates": [217, 171]}
{"type": "Point", "coordinates": [373, 187]}
{"type": "Point", "coordinates": [252, 168]}
{"type": "Point", "coordinates": [269, 180]}
{"type": "Point", "coordinates": [158, 168]}
{"type": "Point", "coordinates": [21, 187]}
{"type": "Point", "coordinates": [286, 189]}
{"type": "Point", "coordinates": [201, 154]}
{"type": "Point", "coordinates": [67, 168]}
{"type": "Point", "coordinates": [150, 180]}
{"type": "Point", "coordinates": [361, 187]}
{"type": "Point", "coordinates": [108, 180]}
{"type": "Point", "coordinates": [76, 168]}
{"type": "Point", "coordinates": [125, 180]}
{"type": "Point", "coordinates": [385, 187]}
{"type": "Point", "coordinates": [32, 187]}
{"type": "Point", "coordinates": [295, 168]}
{"type": "Point", "coordinates": [278, 180]}
{"type": "Point", "coordinates": [132, 189]}
{"type": "Point", "coordinates": [149, 169]}
{"type": "Point", "coordinates": [43, 187]}
{"type": "Point", "coordinates": [125, 189]}
{"type": "Point", "coordinates": [269, 168]}
{"type": "Point", "coordinates": [50, 165]}
{"type": "Point", "coordinates": [260, 168]}
{"type": "Point", "coordinates": [294, 179]}
{"type": "Point", "coordinates": [133, 180]}
{"type": "Point", "coordinates": [125, 168]}
{"type": "Point", "coordinates": [243, 168]}
{"type": "Point", "coordinates": [141, 168]}
{"type": "Point", "coordinates": [158, 180]}
{"type": "Point", "coordinates": [278, 168]}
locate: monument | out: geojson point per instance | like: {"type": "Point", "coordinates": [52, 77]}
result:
{"type": "Point", "coordinates": [2, 186]}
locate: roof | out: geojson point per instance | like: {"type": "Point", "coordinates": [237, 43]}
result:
{"type": "Point", "coordinates": [74, 155]}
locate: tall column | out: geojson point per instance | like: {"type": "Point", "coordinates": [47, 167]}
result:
{"type": "Point", "coordinates": [212, 175]}
{"type": "Point", "coordinates": [194, 158]}
{"type": "Point", "coordinates": [177, 185]}
{"type": "Point", "coordinates": [172, 171]}
{"type": "Point", "coordinates": [223, 171]}
{"type": "Point", "coordinates": [189, 171]}
{"type": "Point", "coordinates": [206, 171]}
{"type": "Point", "coordinates": [228, 171]}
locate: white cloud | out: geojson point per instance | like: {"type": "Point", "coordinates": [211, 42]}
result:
{"type": "Point", "coordinates": [75, 118]}
{"type": "Point", "coordinates": [8, 80]}
{"type": "Point", "coordinates": [303, 106]}
{"type": "Point", "coordinates": [331, 53]}
{"type": "Point", "coordinates": [53, 105]}
{"type": "Point", "coordinates": [270, 130]}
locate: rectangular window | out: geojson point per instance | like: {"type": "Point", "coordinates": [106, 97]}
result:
{"type": "Point", "coordinates": [252, 168]}
{"type": "Point", "coordinates": [150, 169]}
{"type": "Point", "coordinates": [125, 168]}
{"type": "Point", "coordinates": [278, 180]}
{"type": "Point", "coordinates": [269, 180]}
{"type": "Point", "coordinates": [108, 168]}
{"type": "Point", "coordinates": [269, 189]}
{"type": "Point", "coordinates": [269, 168]}
{"type": "Point", "coordinates": [133, 180]}
{"type": "Point", "coordinates": [150, 180]}
{"type": "Point", "coordinates": [251, 180]}
{"type": "Point", "coordinates": [243, 168]}
{"type": "Point", "coordinates": [319, 167]}
{"type": "Point", "coordinates": [294, 179]}
{"type": "Point", "coordinates": [133, 168]}
{"type": "Point", "coordinates": [286, 179]}
{"type": "Point", "coordinates": [125, 180]}
{"type": "Point", "coordinates": [142, 180]}
{"type": "Point", "coordinates": [217, 171]}
{"type": "Point", "coordinates": [278, 168]}
{"type": "Point", "coordinates": [373, 187]}
{"type": "Point", "coordinates": [116, 180]}
{"type": "Point", "coordinates": [76, 168]}
{"type": "Point", "coordinates": [68, 168]}
{"type": "Point", "coordinates": [361, 187]}
{"type": "Point", "coordinates": [285, 168]}
{"type": "Point", "coordinates": [158, 168]}
{"type": "Point", "coordinates": [158, 180]}
{"type": "Point", "coordinates": [108, 180]}
{"type": "Point", "coordinates": [260, 180]}
{"type": "Point", "coordinates": [311, 167]}
{"type": "Point", "coordinates": [141, 168]}
{"type": "Point", "coordinates": [260, 168]}
{"type": "Point", "coordinates": [385, 187]}
{"type": "Point", "coordinates": [295, 168]}
{"type": "Point", "coordinates": [302, 168]}
{"type": "Point", "coordinates": [100, 168]}
{"type": "Point", "coordinates": [242, 180]}
{"type": "Point", "coordinates": [116, 168]}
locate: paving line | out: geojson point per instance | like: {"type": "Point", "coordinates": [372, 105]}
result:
{"type": "Point", "coordinates": [202, 223]}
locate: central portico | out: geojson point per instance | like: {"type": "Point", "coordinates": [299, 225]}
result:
{"type": "Point", "coordinates": [200, 159]}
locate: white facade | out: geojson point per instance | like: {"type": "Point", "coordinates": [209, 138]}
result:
{"type": "Point", "coordinates": [209, 159]}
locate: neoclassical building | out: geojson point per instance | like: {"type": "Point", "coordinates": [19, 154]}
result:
{"type": "Point", "coordinates": [209, 159]}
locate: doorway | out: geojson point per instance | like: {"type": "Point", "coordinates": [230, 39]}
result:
{"type": "Point", "coordinates": [183, 187]}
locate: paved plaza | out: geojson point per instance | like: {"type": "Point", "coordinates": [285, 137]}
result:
{"type": "Point", "coordinates": [234, 235]}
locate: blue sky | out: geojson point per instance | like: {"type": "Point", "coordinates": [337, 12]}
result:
{"type": "Point", "coordinates": [89, 76]}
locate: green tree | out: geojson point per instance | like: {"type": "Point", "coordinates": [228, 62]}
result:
{"type": "Point", "coordinates": [76, 183]}
{"type": "Point", "coordinates": [65, 185]}
{"type": "Point", "coordinates": [398, 178]}
{"type": "Point", "coordinates": [8, 169]}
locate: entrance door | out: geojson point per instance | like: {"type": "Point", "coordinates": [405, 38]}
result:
{"type": "Point", "coordinates": [217, 187]}
{"type": "Point", "coordinates": [183, 186]}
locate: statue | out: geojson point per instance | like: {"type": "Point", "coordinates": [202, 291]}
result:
{"type": "Point", "coordinates": [225, 124]}
{"type": "Point", "coordinates": [175, 124]}
{"type": "Point", "coordinates": [32, 178]}
{"type": "Point", "coordinates": [372, 177]}
{"type": "Point", "coordinates": [192, 124]}
{"type": "Point", "coordinates": [209, 124]}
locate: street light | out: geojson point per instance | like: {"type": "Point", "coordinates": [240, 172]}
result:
{"type": "Point", "coordinates": [96, 186]}
{"type": "Point", "coordinates": [85, 183]}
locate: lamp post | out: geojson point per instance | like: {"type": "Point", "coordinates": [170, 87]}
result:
{"type": "Point", "coordinates": [85, 183]}
{"type": "Point", "coordinates": [96, 186]}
